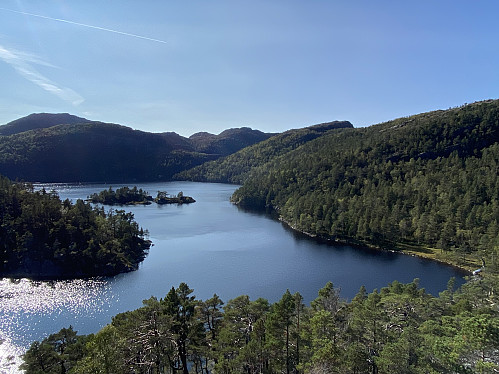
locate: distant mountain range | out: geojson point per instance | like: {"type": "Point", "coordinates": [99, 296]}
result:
{"type": "Point", "coordinates": [47, 147]}
{"type": "Point", "coordinates": [64, 148]}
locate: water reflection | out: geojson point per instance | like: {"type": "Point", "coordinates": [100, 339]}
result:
{"type": "Point", "coordinates": [362, 252]}
{"type": "Point", "coordinates": [9, 356]}
{"type": "Point", "coordinates": [25, 304]}
{"type": "Point", "coordinates": [212, 246]}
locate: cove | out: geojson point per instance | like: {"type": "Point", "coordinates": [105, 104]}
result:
{"type": "Point", "coordinates": [214, 247]}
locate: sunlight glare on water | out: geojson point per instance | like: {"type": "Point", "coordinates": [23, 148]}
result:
{"type": "Point", "coordinates": [9, 356]}
{"type": "Point", "coordinates": [26, 303]}
{"type": "Point", "coordinates": [212, 246]}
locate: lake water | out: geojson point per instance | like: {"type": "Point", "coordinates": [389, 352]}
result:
{"type": "Point", "coordinates": [214, 247]}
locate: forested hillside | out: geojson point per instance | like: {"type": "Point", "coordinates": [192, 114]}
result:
{"type": "Point", "coordinates": [235, 168]}
{"type": "Point", "coordinates": [44, 237]}
{"type": "Point", "coordinates": [428, 182]}
{"type": "Point", "coordinates": [399, 329]}
{"type": "Point", "coordinates": [65, 148]}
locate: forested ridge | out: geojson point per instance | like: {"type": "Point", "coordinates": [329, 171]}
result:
{"type": "Point", "coordinates": [63, 148]}
{"type": "Point", "coordinates": [235, 167]}
{"type": "Point", "coordinates": [399, 329]}
{"type": "Point", "coordinates": [44, 237]}
{"type": "Point", "coordinates": [429, 182]}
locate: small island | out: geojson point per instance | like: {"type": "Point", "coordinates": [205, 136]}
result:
{"type": "Point", "coordinates": [163, 198]}
{"type": "Point", "coordinates": [137, 196]}
{"type": "Point", "coordinates": [122, 196]}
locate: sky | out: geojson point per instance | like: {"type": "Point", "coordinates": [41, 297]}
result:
{"type": "Point", "coordinates": [272, 65]}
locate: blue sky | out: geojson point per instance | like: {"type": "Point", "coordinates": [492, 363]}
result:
{"type": "Point", "coordinates": [189, 66]}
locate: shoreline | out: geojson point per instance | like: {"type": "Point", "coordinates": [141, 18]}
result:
{"type": "Point", "coordinates": [422, 252]}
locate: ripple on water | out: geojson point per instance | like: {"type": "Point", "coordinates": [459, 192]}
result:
{"type": "Point", "coordinates": [9, 356]}
{"type": "Point", "coordinates": [25, 305]}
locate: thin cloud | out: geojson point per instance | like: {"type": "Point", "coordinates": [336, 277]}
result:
{"type": "Point", "coordinates": [21, 62]}
{"type": "Point", "coordinates": [86, 25]}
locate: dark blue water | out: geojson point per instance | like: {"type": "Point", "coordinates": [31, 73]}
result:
{"type": "Point", "coordinates": [215, 248]}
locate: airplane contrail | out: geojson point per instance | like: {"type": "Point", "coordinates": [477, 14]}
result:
{"type": "Point", "coordinates": [85, 25]}
{"type": "Point", "coordinates": [21, 62]}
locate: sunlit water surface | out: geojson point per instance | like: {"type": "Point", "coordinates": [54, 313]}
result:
{"type": "Point", "coordinates": [212, 246]}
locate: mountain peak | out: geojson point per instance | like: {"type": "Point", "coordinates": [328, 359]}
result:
{"type": "Point", "coordinates": [228, 141]}
{"type": "Point", "coordinates": [39, 121]}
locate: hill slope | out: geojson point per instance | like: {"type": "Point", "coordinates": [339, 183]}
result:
{"type": "Point", "coordinates": [87, 152]}
{"type": "Point", "coordinates": [62, 148]}
{"type": "Point", "coordinates": [429, 180]}
{"type": "Point", "coordinates": [39, 121]}
{"type": "Point", "coordinates": [228, 141]}
{"type": "Point", "coordinates": [235, 167]}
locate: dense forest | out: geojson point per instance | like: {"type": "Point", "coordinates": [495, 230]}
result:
{"type": "Point", "coordinates": [399, 329]}
{"type": "Point", "coordinates": [44, 237]}
{"type": "Point", "coordinates": [428, 182]}
{"type": "Point", "coordinates": [64, 148]}
{"type": "Point", "coordinates": [235, 168]}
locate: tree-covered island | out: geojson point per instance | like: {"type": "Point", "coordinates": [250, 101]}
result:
{"type": "Point", "coordinates": [136, 196]}
{"type": "Point", "coordinates": [44, 237]}
{"type": "Point", "coordinates": [121, 196]}
{"type": "Point", "coordinates": [427, 183]}
{"type": "Point", "coordinates": [163, 198]}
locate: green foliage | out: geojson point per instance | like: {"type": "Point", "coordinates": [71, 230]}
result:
{"type": "Point", "coordinates": [94, 152]}
{"type": "Point", "coordinates": [122, 196]}
{"type": "Point", "coordinates": [236, 167]}
{"type": "Point", "coordinates": [56, 354]}
{"type": "Point", "coordinates": [64, 148]}
{"type": "Point", "coordinates": [427, 181]}
{"type": "Point", "coordinates": [103, 353]}
{"type": "Point", "coordinates": [132, 196]}
{"type": "Point", "coordinates": [399, 329]}
{"type": "Point", "coordinates": [42, 236]}
{"type": "Point", "coordinates": [163, 198]}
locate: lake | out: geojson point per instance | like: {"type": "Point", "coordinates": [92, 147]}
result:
{"type": "Point", "coordinates": [214, 247]}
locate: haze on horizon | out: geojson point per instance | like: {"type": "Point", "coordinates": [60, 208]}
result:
{"type": "Point", "coordinates": [272, 66]}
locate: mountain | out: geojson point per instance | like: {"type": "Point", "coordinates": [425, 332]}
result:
{"type": "Point", "coordinates": [227, 142]}
{"type": "Point", "coordinates": [66, 148]}
{"type": "Point", "coordinates": [39, 121]}
{"type": "Point", "coordinates": [235, 167]}
{"type": "Point", "coordinates": [428, 181]}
